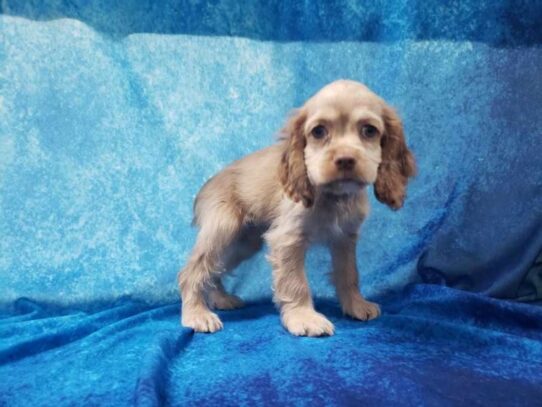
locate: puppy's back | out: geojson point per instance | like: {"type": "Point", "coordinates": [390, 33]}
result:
{"type": "Point", "coordinates": [248, 189]}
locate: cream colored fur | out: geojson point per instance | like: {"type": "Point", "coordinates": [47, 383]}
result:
{"type": "Point", "coordinates": [293, 194]}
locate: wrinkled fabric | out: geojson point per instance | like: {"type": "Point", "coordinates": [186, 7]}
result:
{"type": "Point", "coordinates": [432, 346]}
{"type": "Point", "coordinates": [112, 116]}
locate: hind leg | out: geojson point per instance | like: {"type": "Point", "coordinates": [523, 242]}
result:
{"type": "Point", "coordinates": [218, 298]}
{"type": "Point", "coordinates": [204, 266]}
{"type": "Point", "coordinates": [247, 244]}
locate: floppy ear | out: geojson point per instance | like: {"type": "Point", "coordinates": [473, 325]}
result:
{"type": "Point", "coordinates": [292, 171]}
{"type": "Point", "coordinates": [397, 164]}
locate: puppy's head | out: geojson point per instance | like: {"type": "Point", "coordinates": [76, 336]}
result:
{"type": "Point", "coordinates": [344, 138]}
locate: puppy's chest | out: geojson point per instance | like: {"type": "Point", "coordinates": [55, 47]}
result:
{"type": "Point", "coordinates": [325, 227]}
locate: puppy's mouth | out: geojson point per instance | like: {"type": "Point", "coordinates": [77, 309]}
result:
{"type": "Point", "coordinates": [345, 186]}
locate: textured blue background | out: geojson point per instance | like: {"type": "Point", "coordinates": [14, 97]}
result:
{"type": "Point", "coordinates": [112, 116]}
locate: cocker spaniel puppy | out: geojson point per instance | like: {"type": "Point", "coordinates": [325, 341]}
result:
{"type": "Point", "coordinates": [310, 187]}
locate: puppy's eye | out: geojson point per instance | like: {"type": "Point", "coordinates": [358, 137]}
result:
{"type": "Point", "coordinates": [319, 132]}
{"type": "Point", "coordinates": [369, 131]}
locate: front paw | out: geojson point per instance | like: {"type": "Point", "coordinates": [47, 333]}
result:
{"type": "Point", "coordinates": [201, 320]}
{"type": "Point", "coordinates": [307, 322]}
{"type": "Point", "coordinates": [362, 309]}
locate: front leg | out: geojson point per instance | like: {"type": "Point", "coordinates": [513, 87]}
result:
{"type": "Point", "coordinates": [346, 280]}
{"type": "Point", "coordinates": [291, 290]}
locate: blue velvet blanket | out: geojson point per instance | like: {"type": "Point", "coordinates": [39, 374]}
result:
{"type": "Point", "coordinates": [112, 116]}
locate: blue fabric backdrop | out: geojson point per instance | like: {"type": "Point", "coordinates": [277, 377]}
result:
{"type": "Point", "coordinates": [112, 116]}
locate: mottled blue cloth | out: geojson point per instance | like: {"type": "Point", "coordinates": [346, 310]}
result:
{"type": "Point", "coordinates": [114, 113]}
{"type": "Point", "coordinates": [432, 346]}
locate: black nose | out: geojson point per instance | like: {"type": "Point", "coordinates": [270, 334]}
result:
{"type": "Point", "coordinates": [345, 163]}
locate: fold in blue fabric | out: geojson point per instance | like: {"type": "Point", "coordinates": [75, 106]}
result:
{"type": "Point", "coordinates": [432, 346]}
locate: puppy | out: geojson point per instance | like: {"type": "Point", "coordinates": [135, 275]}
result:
{"type": "Point", "coordinates": [310, 187]}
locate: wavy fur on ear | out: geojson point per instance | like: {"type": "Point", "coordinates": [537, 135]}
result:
{"type": "Point", "coordinates": [292, 171]}
{"type": "Point", "coordinates": [397, 164]}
